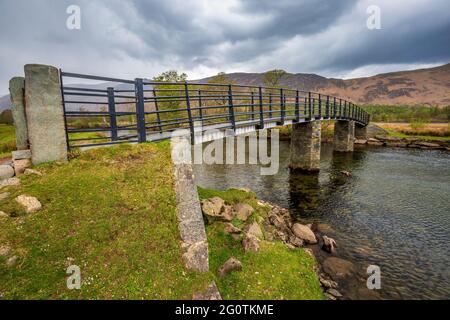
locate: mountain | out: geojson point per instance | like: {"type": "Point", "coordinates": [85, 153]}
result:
{"type": "Point", "coordinates": [423, 86]}
{"type": "Point", "coordinates": [5, 103]}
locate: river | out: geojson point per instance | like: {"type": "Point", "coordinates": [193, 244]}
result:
{"type": "Point", "coordinates": [394, 212]}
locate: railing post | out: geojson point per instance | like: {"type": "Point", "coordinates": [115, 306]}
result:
{"type": "Point", "coordinates": [112, 113]}
{"type": "Point", "coordinates": [309, 106]}
{"type": "Point", "coordinates": [270, 105]}
{"type": "Point", "coordinates": [328, 106]}
{"type": "Point", "coordinates": [158, 117]}
{"type": "Point", "coordinates": [140, 110]}
{"type": "Point", "coordinates": [334, 107]}
{"type": "Point", "coordinates": [320, 106]}
{"type": "Point", "coordinates": [282, 106]}
{"type": "Point", "coordinates": [297, 107]}
{"type": "Point", "coordinates": [253, 106]}
{"type": "Point", "coordinates": [189, 112]}
{"type": "Point", "coordinates": [200, 110]}
{"type": "Point", "coordinates": [231, 108]}
{"type": "Point", "coordinates": [261, 110]}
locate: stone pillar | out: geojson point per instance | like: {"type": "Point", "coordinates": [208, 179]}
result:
{"type": "Point", "coordinates": [17, 92]}
{"type": "Point", "coordinates": [305, 146]}
{"type": "Point", "coordinates": [44, 113]}
{"type": "Point", "coordinates": [344, 135]}
{"type": "Point", "coordinates": [360, 132]}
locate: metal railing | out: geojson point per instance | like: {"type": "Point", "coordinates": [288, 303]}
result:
{"type": "Point", "coordinates": [141, 110]}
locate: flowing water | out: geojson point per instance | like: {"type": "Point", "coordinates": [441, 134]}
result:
{"type": "Point", "coordinates": [394, 212]}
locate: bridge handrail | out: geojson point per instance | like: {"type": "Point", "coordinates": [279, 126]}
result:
{"type": "Point", "coordinates": [161, 107]}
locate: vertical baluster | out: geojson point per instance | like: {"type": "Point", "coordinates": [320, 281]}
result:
{"type": "Point", "coordinates": [282, 106]}
{"type": "Point", "coordinates": [231, 107]}
{"type": "Point", "coordinates": [261, 111]}
{"type": "Point", "coordinates": [158, 116]}
{"type": "Point", "coordinates": [297, 107]}
{"type": "Point", "coordinates": [320, 106]}
{"type": "Point", "coordinates": [309, 106]}
{"type": "Point", "coordinates": [200, 110]}
{"type": "Point", "coordinates": [270, 105]}
{"type": "Point", "coordinates": [253, 106]}
{"type": "Point", "coordinates": [112, 113]}
{"type": "Point", "coordinates": [189, 112]}
{"type": "Point", "coordinates": [140, 110]}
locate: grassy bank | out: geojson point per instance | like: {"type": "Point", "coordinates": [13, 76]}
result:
{"type": "Point", "coordinates": [275, 272]}
{"type": "Point", "coordinates": [407, 113]}
{"type": "Point", "coordinates": [112, 212]}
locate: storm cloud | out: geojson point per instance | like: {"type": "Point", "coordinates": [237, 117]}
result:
{"type": "Point", "coordinates": [140, 38]}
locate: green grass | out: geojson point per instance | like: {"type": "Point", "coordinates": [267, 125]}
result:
{"type": "Point", "coordinates": [110, 211]}
{"type": "Point", "coordinates": [7, 139]}
{"type": "Point", "coordinates": [395, 113]}
{"type": "Point", "coordinates": [275, 272]}
{"type": "Point", "coordinates": [396, 134]}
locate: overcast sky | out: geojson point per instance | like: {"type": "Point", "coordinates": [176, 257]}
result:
{"type": "Point", "coordinates": [202, 37]}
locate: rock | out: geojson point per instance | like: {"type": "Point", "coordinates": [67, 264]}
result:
{"type": "Point", "coordinates": [375, 142]}
{"type": "Point", "coordinates": [32, 171]}
{"type": "Point", "coordinates": [346, 173]}
{"type": "Point", "coordinates": [399, 144]}
{"type": "Point", "coordinates": [329, 244]}
{"type": "Point", "coordinates": [304, 233]}
{"type": "Point", "coordinates": [12, 261]}
{"type": "Point", "coordinates": [31, 204]}
{"type": "Point", "coordinates": [196, 256]}
{"type": "Point", "coordinates": [329, 296]}
{"type": "Point", "coordinates": [210, 293]}
{"type": "Point", "coordinates": [360, 141]}
{"type": "Point", "coordinates": [5, 251]}
{"type": "Point", "coordinates": [295, 241]}
{"type": "Point", "coordinates": [6, 171]}
{"type": "Point", "coordinates": [230, 229]}
{"type": "Point", "coordinates": [21, 165]}
{"type": "Point", "coordinates": [334, 293]}
{"type": "Point", "coordinates": [255, 229]}
{"type": "Point", "coordinates": [244, 189]}
{"type": "Point", "coordinates": [243, 211]}
{"type": "Point", "coordinates": [309, 252]}
{"type": "Point", "coordinates": [327, 283]}
{"type": "Point", "coordinates": [4, 214]}
{"type": "Point", "coordinates": [428, 144]}
{"type": "Point", "coordinates": [338, 268]}
{"type": "Point", "coordinates": [324, 228]}
{"type": "Point", "coordinates": [9, 182]}
{"type": "Point", "coordinates": [4, 195]}
{"type": "Point", "coordinates": [21, 154]}
{"type": "Point", "coordinates": [213, 206]}
{"type": "Point", "coordinates": [230, 265]}
{"type": "Point", "coordinates": [250, 243]}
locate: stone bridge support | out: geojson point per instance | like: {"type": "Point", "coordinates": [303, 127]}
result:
{"type": "Point", "coordinates": [344, 135]}
{"type": "Point", "coordinates": [360, 132]}
{"type": "Point", "coordinates": [305, 146]}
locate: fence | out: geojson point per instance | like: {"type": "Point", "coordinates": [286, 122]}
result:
{"type": "Point", "coordinates": [141, 110]}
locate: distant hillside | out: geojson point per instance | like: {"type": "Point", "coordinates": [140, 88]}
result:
{"type": "Point", "coordinates": [5, 103]}
{"type": "Point", "coordinates": [423, 86]}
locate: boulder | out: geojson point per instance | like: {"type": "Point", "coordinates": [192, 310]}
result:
{"type": "Point", "coordinates": [213, 206]}
{"type": "Point", "coordinates": [338, 268]}
{"type": "Point", "coordinates": [334, 293]}
{"type": "Point", "coordinates": [295, 241]}
{"type": "Point", "coordinates": [21, 154]}
{"type": "Point", "coordinates": [255, 229]}
{"type": "Point", "coordinates": [327, 283]}
{"type": "Point", "coordinates": [250, 243]}
{"type": "Point", "coordinates": [398, 144]}
{"type": "Point", "coordinates": [32, 171]}
{"type": "Point", "coordinates": [210, 293]}
{"type": "Point", "coordinates": [230, 265]}
{"type": "Point", "coordinates": [375, 142]}
{"type": "Point", "coordinates": [329, 244]}
{"type": "Point", "coordinates": [6, 171]}
{"type": "Point", "coordinates": [4, 214]}
{"type": "Point", "coordinates": [9, 182]}
{"type": "Point", "coordinates": [196, 256]}
{"type": "Point", "coordinates": [243, 211]}
{"type": "Point", "coordinates": [346, 173]}
{"type": "Point", "coordinates": [31, 204]}
{"type": "Point", "coordinates": [304, 233]}
{"type": "Point", "coordinates": [360, 141]}
{"type": "Point", "coordinates": [21, 165]}
{"type": "Point", "coordinates": [230, 229]}
{"type": "Point", "coordinates": [430, 145]}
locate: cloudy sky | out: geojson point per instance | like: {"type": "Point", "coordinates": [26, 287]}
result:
{"type": "Point", "coordinates": [141, 38]}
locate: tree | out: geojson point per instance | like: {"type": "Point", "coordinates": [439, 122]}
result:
{"type": "Point", "coordinates": [220, 78]}
{"type": "Point", "coordinates": [272, 78]}
{"type": "Point", "coordinates": [171, 76]}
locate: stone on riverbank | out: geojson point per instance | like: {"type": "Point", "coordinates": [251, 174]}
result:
{"type": "Point", "coordinates": [242, 211]}
{"type": "Point", "coordinates": [329, 244]}
{"type": "Point", "coordinates": [6, 172]}
{"type": "Point", "coordinates": [9, 182]}
{"type": "Point", "coordinates": [250, 243]}
{"type": "Point", "coordinates": [304, 233]}
{"type": "Point", "coordinates": [210, 293]}
{"type": "Point", "coordinates": [32, 171]}
{"type": "Point", "coordinates": [255, 230]}
{"type": "Point", "coordinates": [31, 204]}
{"type": "Point", "coordinates": [21, 165]}
{"type": "Point", "coordinates": [230, 265]}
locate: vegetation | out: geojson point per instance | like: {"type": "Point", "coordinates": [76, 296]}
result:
{"type": "Point", "coordinates": [272, 78]}
{"type": "Point", "coordinates": [275, 272]}
{"type": "Point", "coordinates": [7, 139]}
{"type": "Point", "coordinates": [6, 117]}
{"type": "Point", "coordinates": [406, 113]}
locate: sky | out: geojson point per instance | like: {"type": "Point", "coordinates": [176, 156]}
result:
{"type": "Point", "coordinates": [138, 38]}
